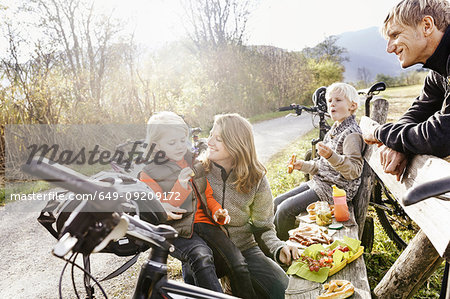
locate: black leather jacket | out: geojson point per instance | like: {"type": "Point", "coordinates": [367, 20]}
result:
{"type": "Point", "coordinates": [425, 127]}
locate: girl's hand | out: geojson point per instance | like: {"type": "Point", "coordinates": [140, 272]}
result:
{"type": "Point", "coordinates": [221, 216]}
{"type": "Point", "coordinates": [288, 254]}
{"type": "Point", "coordinates": [324, 150]}
{"type": "Point", "coordinates": [184, 176]}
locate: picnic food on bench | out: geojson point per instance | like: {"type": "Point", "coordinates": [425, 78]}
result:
{"type": "Point", "coordinates": [337, 289]}
{"type": "Point", "coordinates": [311, 210]}
{"type": "Point", "coordinates": [307, 235]}
{"type": "Point", "coordinates": [317, 262]}
{"type": "Point", "coordinates": [291, 163]}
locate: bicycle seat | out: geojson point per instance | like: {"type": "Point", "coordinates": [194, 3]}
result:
{"type": "Point", "coordinates": [380, 86]}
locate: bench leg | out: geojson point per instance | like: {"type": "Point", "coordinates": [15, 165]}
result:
{"type": "Point", "coordinates": [415, 265]}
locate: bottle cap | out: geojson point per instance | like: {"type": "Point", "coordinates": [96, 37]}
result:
{"type": "Point", "coordinates": [338, 192]}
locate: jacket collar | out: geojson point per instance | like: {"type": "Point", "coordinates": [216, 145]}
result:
{"type": "Point", "coordinates": [440, 60]}
{"type": "Point", "coordinates": [223, 172]}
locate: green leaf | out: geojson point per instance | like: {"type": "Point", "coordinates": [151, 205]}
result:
{"type": "Point", "coordinates": [335, 244]}
{"type": "Point", "coordinates": [313, 250]}
{"type": "Point", "coordinates": [338, 256]}
{"type": "Point", "coordinates": [293, 269]}
{"type": "Point", "coordinates": [319, 276]}
{"type": "Point", "coordinates": [353, 244]}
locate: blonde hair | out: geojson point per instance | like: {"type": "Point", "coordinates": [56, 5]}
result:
{"type": "Point", "coordinates": [158, 124]}
{"type": "Point", "coordinates": [345, 90]}
{"type": "Point", "coordinates": [411, 13]}
{"type": "Point", "coordinates": [237, 136]}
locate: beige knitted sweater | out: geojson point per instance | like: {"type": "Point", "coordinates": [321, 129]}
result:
{"type": "Point", "coordinates": [246, 210]}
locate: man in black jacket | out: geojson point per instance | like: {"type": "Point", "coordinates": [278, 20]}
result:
{"type": "Point", "coordinates": [418, 31]}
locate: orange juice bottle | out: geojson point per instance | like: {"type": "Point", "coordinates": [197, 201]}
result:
{"type": "Point", "coordinates": [340, 204]}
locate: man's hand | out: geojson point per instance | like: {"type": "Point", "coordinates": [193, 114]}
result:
{"type": "Point", "coordinates": [288, 253]}
{"type": "Point", "coordinates": [173, 213]}
{"type": "Point", "coordinates": [393, 162]}
{"type": "Point", "coordinates": [324, 150]}
{"type": "Point", "coordinates": [369, 137]}
{"type": "Point", "coordinates": [221, 216]}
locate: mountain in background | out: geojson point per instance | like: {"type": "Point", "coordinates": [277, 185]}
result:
{"type": "Point", "coordinates": [367, 49]}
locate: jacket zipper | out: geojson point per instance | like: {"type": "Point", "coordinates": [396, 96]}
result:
{"type": "Point", "coordinates": [223, 197]}
{"type": "Point", "coordinates": [195, 212]}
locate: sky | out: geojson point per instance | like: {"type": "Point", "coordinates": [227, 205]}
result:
{"type": "Point", "coordinates": [288, 24]}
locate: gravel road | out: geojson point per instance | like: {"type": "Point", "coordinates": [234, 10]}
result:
{"type": "Point", "coordinates": [29, 270]}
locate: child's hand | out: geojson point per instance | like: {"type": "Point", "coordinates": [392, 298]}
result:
{"type": "Point", "coordinates": [324, 150]}
{"type": "Point", "coordinates": [184, 176]}
{"type": "Point", "coordinates": [173, 213]}
{"type": "Point", "coordinates": [221, 216]}
{"type": "Point", "coordinates": [298, 164]}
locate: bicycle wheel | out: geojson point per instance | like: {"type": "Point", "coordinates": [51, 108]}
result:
{"type": "Point", "coordinates": [391, 215]}
{"type": "Point", "coordinates": [368, 235]}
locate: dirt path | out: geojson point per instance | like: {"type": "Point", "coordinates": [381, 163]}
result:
{"type": "Point", "coordinates": [273, 135]}
{"type": "Point", "coordinates": [27, 267]}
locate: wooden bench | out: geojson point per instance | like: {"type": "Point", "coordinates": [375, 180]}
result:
{"type": "Point", "coordinates": [432, 243]}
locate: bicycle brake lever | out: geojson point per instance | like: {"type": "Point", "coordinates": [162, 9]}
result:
{"type": "Point", "coordinates": [64, 245]}
{"type": "Point", "coordinates": [118, 231]}
{"type": "Point", "coordinates": [291, 114]}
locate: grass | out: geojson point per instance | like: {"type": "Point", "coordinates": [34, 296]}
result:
{"type": "Point", "coordinates": [400, 98]}
{"type": "Point", "coordinates": [384, 252]}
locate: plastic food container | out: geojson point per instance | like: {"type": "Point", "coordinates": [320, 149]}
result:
{"type": "Point", "coordinates": [323, 213]}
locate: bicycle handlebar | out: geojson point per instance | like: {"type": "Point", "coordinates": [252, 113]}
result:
{"type": "Point", "coordinates": [65, 177]}
{"type": "Point", "coordinates": [82, 231]}
{"type": "Point", "coordinates": [299, 108]}
{"type": "Point", "coordinates": [430, 189]}
{"type": "Point", "coordinates": [287, 108]}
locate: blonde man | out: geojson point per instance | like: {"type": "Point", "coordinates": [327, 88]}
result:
{"type": "Point", "coordinates": [418, 31]}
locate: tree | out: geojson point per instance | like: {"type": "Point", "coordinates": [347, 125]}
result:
{"type": "Point", "coordinates": [327, 50]}
{"type": "Point", "coordinates": [364, 75]}
{"type": "Point", "coordinates": [216, 23]}
{"type": "Point", "coordinates": [285, 73]}
{"type": "Point", "coordinates": [84, 38]}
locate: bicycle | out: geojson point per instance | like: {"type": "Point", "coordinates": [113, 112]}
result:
{"type": "Point", "coordinates": [93, 224]}
{"type": "Point", "coordinates": [320, 109]}
{"type": "Point", "coordinates": [389, 212]}
{"type": "Point", "coordinates": [199, 145]}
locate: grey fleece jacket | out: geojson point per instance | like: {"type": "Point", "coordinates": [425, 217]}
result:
{"type": "Point", "coordinates": [254, 208]}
